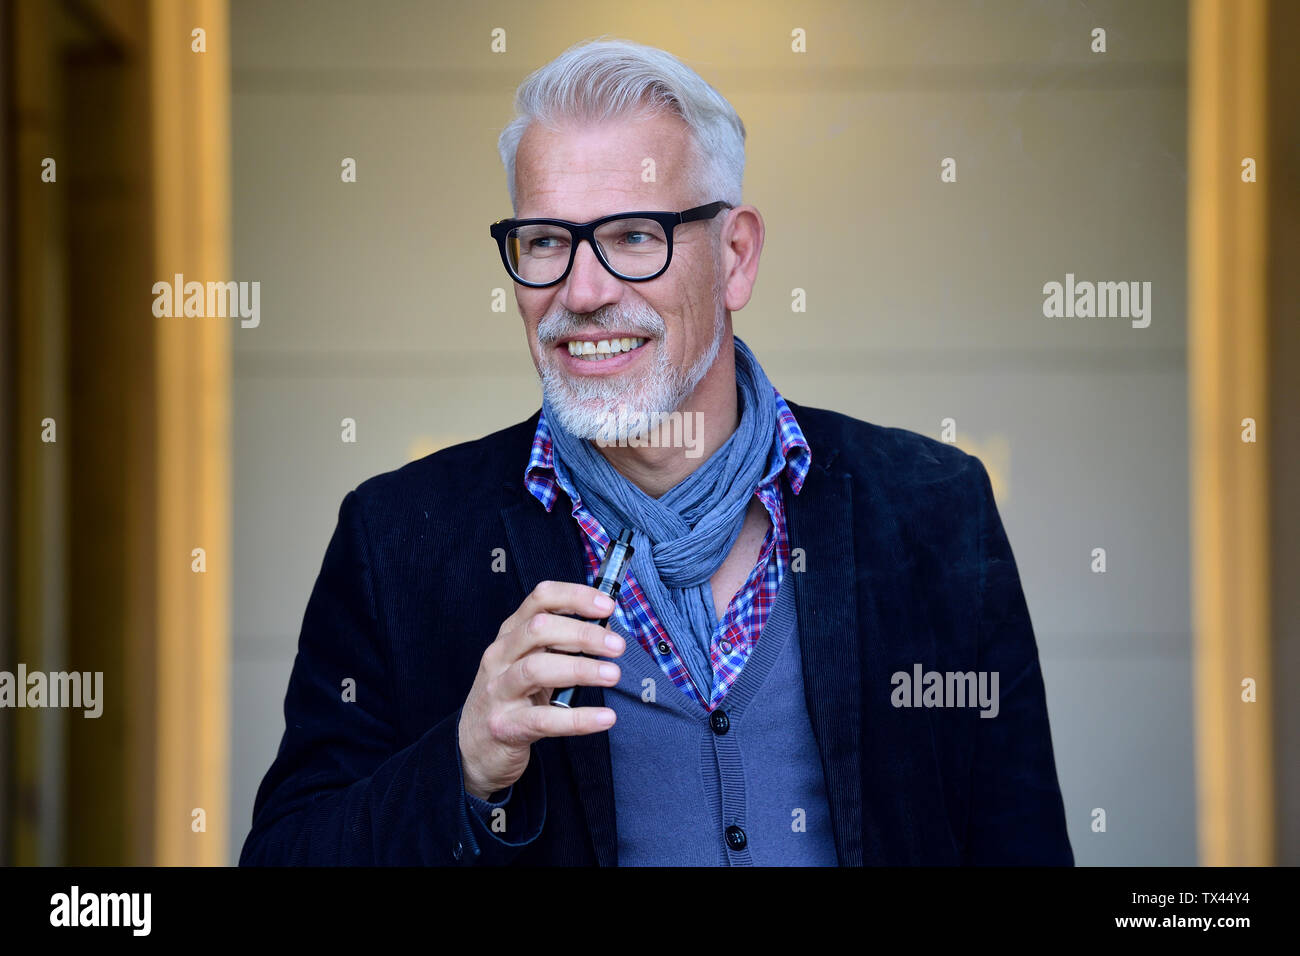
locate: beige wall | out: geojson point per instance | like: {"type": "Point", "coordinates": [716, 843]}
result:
{"type": "Point", "coordinates": [924, 302]}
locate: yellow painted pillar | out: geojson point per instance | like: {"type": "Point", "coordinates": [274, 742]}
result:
{"type": "Point", "coordinates": [1227, 383]}
{"type": "Point", "coordinates": [190, 93]}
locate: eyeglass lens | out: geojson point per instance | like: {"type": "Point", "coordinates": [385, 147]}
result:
{"type": "Point", "coordinates": [634, 248]}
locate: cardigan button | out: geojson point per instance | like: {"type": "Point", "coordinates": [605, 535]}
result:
{"type": "Point", "coordinates": [458, 852]}
{"type": "Point", "coordinates": [720, 722]}
{"type": "Point", "coordinates": [736, 838]}
{"type": "Point", "coordinates": [662, 647]}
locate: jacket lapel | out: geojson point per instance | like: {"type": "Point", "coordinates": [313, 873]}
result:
{"type": "Point", "coordinates": [820, 522]}
{"type": "Point", "coordinates": [546, 546]}
{"type": "Point", "coordinates": [857, 610]}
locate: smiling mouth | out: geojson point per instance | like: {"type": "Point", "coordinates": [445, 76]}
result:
{"type": "Point", "coordinates": [602, 349]}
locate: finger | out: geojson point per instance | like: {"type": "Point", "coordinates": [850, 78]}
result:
{"type": "Point", "coordinates": [545, 671]}
{"type": "Point", "coordinates": [547, 721]}
{"type": "Point", "coordinates": [567, 634]}
{"type": "Point", "coordinates": [558, 597]}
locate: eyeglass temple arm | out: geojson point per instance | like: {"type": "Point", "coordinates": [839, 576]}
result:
{"type": "Point", "coordinates": [705, 212]}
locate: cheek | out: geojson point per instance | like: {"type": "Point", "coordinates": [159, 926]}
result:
{"type": "Point", "coordinates": [531, 310]}
{"type": "Point", "coordinates": [529, 313]}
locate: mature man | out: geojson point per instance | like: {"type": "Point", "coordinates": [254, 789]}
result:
{"type": "Point", "coordinates": [794, 569]}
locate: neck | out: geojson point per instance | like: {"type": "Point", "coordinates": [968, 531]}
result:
{"type": "Point", "coordinates": [674, 448]}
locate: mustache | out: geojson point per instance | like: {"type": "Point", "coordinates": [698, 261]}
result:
{"type": "Point", "coordinates": [564, 323]}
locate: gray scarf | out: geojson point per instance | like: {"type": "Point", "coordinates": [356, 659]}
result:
{"type": "Point", "coordinates": [681, 538]}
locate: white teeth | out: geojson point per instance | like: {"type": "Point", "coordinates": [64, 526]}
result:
{"type": "Point", "coordinates": [600, 350]}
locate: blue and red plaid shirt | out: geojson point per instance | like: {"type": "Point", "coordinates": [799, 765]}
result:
{"type": "Point", "coordinates": [737, 633]}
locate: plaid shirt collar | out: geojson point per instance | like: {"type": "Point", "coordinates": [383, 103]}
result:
{"type": "Point", "coordinates": [794, 457]}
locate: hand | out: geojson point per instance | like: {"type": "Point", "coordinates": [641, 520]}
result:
{"type": "Point", "coordinates": [509, 705]}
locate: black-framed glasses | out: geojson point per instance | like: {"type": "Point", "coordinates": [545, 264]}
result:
{"type": "Point", "coordinates": [635, 246]}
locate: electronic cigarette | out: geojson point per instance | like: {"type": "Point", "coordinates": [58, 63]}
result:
{"type": "Point", "coordinates": [609, 581]}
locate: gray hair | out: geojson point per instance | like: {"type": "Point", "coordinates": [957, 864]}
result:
{"type": "Point", "coordinates": [602, 79]}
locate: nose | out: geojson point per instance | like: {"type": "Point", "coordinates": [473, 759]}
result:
{"type": "Point", "coordinates": [589, 285]}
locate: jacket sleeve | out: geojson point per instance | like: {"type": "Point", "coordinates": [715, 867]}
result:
{"type": "Point", "coordinates": [1017, 814]}
{"type": "Point", "coordinates": [341, 791]}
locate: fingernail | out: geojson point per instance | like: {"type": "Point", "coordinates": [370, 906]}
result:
{"type": "Point", "coordinates": [613, 642]}
{"type": "Point", "coordinates": [604, 603]}
{"type": "Point", "coordinates": [608, 671]}
{"type": "Point", "coordinates": [605, 718]}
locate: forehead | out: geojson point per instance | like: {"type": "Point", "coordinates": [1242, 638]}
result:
{"type": "Point", "coordinates": [583, 171]}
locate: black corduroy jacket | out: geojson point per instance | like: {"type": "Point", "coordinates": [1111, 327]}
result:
{"type": "Point", "coordinates": [904, 562]}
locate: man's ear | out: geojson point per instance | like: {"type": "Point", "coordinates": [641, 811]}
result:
{"type": "Point", "coordinates": [742, 244]}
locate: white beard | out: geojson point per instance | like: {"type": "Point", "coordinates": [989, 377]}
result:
{"type": "Point", "coordinates": [616, 408]}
